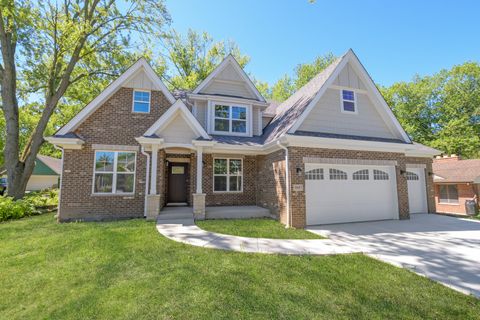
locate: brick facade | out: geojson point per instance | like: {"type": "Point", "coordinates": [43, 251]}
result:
{"type": "Point", "coordinates": [297, 198]}
{"type": "Point", "coordinates": [112, 124]}
{"type": "Point", "coordinates": [465, 192]}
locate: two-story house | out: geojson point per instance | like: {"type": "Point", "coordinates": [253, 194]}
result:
{"type": "Point", "coordinates": [333, 152]}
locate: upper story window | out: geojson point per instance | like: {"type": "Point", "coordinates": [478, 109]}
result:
{"type": "Point", "coordinates": [348, 101]}
{"type": "Point", "coordinates": [230, 119]}
{"type": "Point", "coordinates": [114, 172]}
{"type": "Point", "coordinates": [141, 101]}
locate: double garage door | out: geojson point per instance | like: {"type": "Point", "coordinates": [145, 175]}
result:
{"type": "Point", "coordinates": [349, 193]}
{"type": "Point", "coordinates": [352, 193]}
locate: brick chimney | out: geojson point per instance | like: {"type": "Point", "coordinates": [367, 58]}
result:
{"type": "Point", "coordinates": [445, 158]}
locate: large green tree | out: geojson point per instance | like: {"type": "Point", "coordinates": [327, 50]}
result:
{"type": "Point", "coordinates": [287, 85]}
{"type": "Point", "coordinates": [185, 60]}
{"type": "Point", "coordinates": [442, 110]}
{"type": "Point", "coordinates": [46, 48]}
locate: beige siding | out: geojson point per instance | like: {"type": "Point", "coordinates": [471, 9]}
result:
{"type": "Point", "coordinates": [255, 118]}
{"type": "Point", "coordinates": [349, 78]}
{"type": "Point", "coordinates": [327, 117]}
{"type": "Point", "coordinates": [201, 113]}
{"type": "Point", "coordinates": [229, 82]}
{"type": "Point", "coordinates": [41, 182]}
{"type": "Point", "coordinates": [140, 81]}
{"type": "Point", "coordinates": [178, 131]}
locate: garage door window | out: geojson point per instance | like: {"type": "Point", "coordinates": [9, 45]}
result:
{"type": "Point", "coordinates": [336, 174]}
{"type": "Point", "coordinates": [379, 175]}
{"type": "Point", "coordinates": [448, 194]}
{"type": "Point", "coordinates": [314, 174]}
{"type": "Point", "coordinates": [361, 175]}
{"type": "Point", "coordinates": [411, 176]}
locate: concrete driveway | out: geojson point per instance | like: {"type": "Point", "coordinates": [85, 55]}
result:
{"type": "Point", "coordinates": [442, 248]}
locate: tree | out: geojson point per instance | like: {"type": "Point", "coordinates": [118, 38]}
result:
{"type": "Point", "coordinates": [441, 110]}
{"type": "Point", "coordinates": [287, 85]}
{"type": "Point", "coordinates": [193, 57]}
{"type": "Point", "coordinates": [55, 46]}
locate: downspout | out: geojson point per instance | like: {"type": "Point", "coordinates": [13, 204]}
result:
{"type": "Point", "coordinates": [60, 183]}
{"type": "Point", "coordinates": [147, 180]}
{"type": "Point", "coordinates": [287, 182]}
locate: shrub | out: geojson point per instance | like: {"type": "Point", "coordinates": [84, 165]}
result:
{"type": "Point", "coordinates": [32, 204]}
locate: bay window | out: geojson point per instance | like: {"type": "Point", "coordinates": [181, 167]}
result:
{"type": "Point", "coordinates": [227, 175]}
{"type": "Point", "coordinates": [114, 172]}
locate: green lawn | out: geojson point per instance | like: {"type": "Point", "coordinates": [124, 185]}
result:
{"type": "Point", "coordinates": [127, 270]}
{"type": "Point", "coordinates": [256, 228]}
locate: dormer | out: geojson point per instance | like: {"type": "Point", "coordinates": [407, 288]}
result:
{"type": "Point", "coordinates": [228, 103]}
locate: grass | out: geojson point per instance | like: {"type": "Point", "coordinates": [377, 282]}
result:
{"type": "Point", "coordinates": [256, 228]}
{"type": "Point", "coordinates": [127, 270]}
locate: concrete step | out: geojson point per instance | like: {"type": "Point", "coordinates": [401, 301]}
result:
{"type": "Point", "coordinates": [175, 215]}
{"type": "Point", "coordinates": [236, 212]}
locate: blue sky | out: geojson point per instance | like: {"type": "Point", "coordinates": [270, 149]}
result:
{"type": "Point", "coordinates": [394, 39]}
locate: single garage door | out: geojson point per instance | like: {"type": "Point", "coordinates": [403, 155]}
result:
{"type": "Point", "coordinates": [350, 193]}
{"type": "Point", "coordinates": [417, 193]}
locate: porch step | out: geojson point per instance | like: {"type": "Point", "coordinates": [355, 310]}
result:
{"type": "Point", "coordinates": [172, 213]}
{"type": "Point", "coordinates": [236, 212]}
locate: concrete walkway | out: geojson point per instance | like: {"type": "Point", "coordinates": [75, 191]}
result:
{"type": "Point", "coordinates": [185, 230]}
{"type": "Point", "coordinates": [444, 249]}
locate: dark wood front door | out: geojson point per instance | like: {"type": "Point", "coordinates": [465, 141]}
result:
{"type": "Point", "coordinates": [177, 183]}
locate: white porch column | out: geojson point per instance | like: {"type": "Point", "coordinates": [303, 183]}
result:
{"type": "Point", "coordinates": [199, 169]}
{"type": "Point", "coordinates": [153, 179]}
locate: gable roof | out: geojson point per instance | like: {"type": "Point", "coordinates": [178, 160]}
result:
{"type": "Point", "coordinates": [177, 108]}
{"type": "Point", "coordinates": [229, 60]}
{"type": "Point", "coordinates": [141, 64]}
{"type": "Point", "coordinates": [54, 164]}
{"type": "Point", "coordinates": [457, 170]}
{"type": "Point", "coordinates": [293, 111]}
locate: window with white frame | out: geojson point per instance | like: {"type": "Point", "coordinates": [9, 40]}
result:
{"type": "Point", "coordinates": [114, 172]}
{"type": "Point", "coordinates": [361, 175]}
{"type": "Point", "coordinates": [336, 174]}
{"type": "Point", "coordinates": [348, 101]}
{"type": "Point", "coordinates": [314, 174]}
{"type": "Point", "coordinates": [379, 175]}
{"type": "Point", "coordinates": [141, 101]}
{"type": "Point", "coordinates": [448, 193]}
{"type": "Point", "coordinates": [227, 175]}
{"type": "Point", "coordinates": [230, 119]}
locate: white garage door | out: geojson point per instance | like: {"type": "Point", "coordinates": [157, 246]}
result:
{"type": "Point", "coordinates": [417, 193]}
{"type": "Point", "coordinates": [349, 193]}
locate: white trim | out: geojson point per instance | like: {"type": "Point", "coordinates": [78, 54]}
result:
{"type": "Point", "coordinates": [66, 143]}
{"type": "Point", "coordinates": [111, 89]}
{"type": "Point", "coordinates": [169, 115]}
{"type": "Point", "coordinates": [260, 122]}
{"type": "Point", "coordinates": [200, 170]}
{"type": "Point", "coordinates": [114, 147]}
{"type": "Point", "coordinates": [248, 119]}
{"type": "Point", "coordinates": [114, 174]}
{"type": "Point", "coordinates": [149, 100]}
{"type": "Point", "coordinates": [416, 165]}
{"type": "Point", "coordinates": [367, 80]}
{"type": "Point", "coordinates": [206, 97]}
{"type": "Point", "coordinates": [229, 60]}
{"type": "Point", "coordinates": [345, 161]}
{"type": "Point", "coordinates": [228, 175]}
{"type": "Point", "coordinates": [342, 100]}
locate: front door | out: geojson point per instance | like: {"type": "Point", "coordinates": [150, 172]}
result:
{"type": "Point", "coordinates": [177, 183]}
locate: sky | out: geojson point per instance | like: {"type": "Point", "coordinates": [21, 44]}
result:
{"type": "Point", "coordinates": [394, 39]}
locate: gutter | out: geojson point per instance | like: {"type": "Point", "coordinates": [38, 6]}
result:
{"type": "Point", "coordinates": [146, 180]}
{"type": "Point", "coordinates": [60, 183]}
{"type": "Point", "coordinates": [287, 182]}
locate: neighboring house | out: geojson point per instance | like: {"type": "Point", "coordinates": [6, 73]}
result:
{"type": "Point", "coordinates": [455, 182]}
{"type": "Point", "coordinates": [45, 175]}
{"type": "Point", "coordinates": [333, 152]}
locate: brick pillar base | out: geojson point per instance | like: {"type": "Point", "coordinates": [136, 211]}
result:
{"type": "Point", "coordinates": [153, 206]}
{"type": "Point", "coordinates": [199, 206]}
